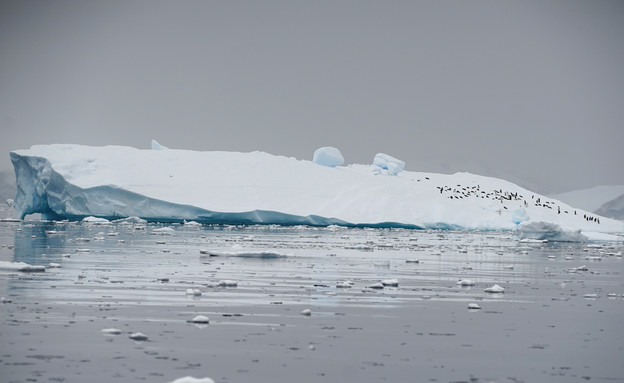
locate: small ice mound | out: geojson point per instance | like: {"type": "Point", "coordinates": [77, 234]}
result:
{"type": "Point", "coordinates": [194, 292]}
{"type": "Point", "coordinates": [473, 306]}
{"type": "Point", "coordinates": [519, 215]}
{"type": "Point", "coordinates": [138, 336]}
{"type": "Point", "coordinates": [243, 254]}
{"type": "Point", "coordinates": [393, 165]}
{"type": "Point", "coordinates": [200, 319]}
{"type": "Point", "coordinates": [157, 146]}
{"type": "Point", "coordinates": [192, 223]}
{"type": "Point", "coordinates": [20, 266]}
{"type": "Point", "coordinates": [344, 284]}
{"type": "Point", "coordinates": [496, 289]}
{"type": "Point", "coordinates": [549, 231]}
{"type": "Point", "coordinates": [306, 312]}
{"type": "Point", "coordinates": [328, 156]}
{"type": "Point", "coordinates": [163, 231]}
{"type": "Point", "coordinates": [190, 379]}
{"type": "Point", "coordinates": [390, 282]}
{"type": "Point", "coordinates": [110, 331]}
{"type": "Point", "coordinates": [377, 286]}
{"type": "Point", "coordinates": [132, 219]}
{"type": "Point", "coordinates": [227, 283]}
{"type": "Point", "coordinates": [95, 221]}
{"type": "Point", "coordinates": [465, 282]}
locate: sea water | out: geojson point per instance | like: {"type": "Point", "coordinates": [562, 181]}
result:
{"type": "Point", "coordinates": [318, 313]}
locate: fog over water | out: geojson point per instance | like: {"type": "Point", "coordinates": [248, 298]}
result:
{"type": "Point", "coordinates": [527, 91]}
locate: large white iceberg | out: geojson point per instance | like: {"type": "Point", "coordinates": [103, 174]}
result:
{"type": "Point", "coordinates": [112, 182]}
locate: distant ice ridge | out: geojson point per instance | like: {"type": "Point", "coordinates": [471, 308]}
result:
{"type": "Point", "coordinates": [113, 182]}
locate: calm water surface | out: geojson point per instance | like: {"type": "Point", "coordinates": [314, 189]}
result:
{"type": "Point", "coordinates": [555, 322]}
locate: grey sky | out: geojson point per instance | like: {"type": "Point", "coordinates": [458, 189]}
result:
{"type": "Point", "coordinates": [530, 91]}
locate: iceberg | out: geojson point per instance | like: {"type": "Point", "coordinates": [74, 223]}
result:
{"type": "Point", "coordinates": [216, 187]}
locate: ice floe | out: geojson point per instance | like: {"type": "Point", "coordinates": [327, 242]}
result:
{"type": "Point", "coordinates": [496, 289]}
{"type": "Point", "coordinates": [20, 266]}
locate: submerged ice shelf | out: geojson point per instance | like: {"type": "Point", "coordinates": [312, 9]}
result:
{"type": "Point", "coordinates": [73, 181]}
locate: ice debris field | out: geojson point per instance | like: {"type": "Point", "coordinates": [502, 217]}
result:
{"type": "Point", "coordinates": [167, 185]}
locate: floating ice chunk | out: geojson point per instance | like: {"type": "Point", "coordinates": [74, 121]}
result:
{"type": "Point", "coordinates": [590, 296]}
{"type": "Point", "coordinates": [190, 379]}
{"type": "Point", "coordinates": [192, 223]}
{"type": "Point", "coordinates": [496, 289]}
{"type": "Point", "coordinates": [20, 266]}
{"type": "Point", "coordinates": [243, 254]}
{"type": "Point", "coordinates": [227, 283]}
{"type": "Point", "coordinates": [95, 221]}
{"type": "Point", "coordinates": [465, 282]}
{"type": "Point", "coordinates": [390, 282]}
{"type": "Point", "coordinates": [5, 300]}
{"type": "Point", "coordinates": [194, 292]}
{"type": "Point", "coordinates": [377, 285]}
{"type": "Point", "coordinates": [473, 306]}
{"type": "Point", "coordinates": [138, 336]}
{"type": "Point", "coordinates": [130, 220]}
{"type": "Point", "coordinates": [328, 156]}
{"type": "Point", "coordinates": [110, 331]}
{"type": "Point", "coordinates": [163, 231]}
{"type": "Point", "coordinates": [412, 261]}
{"type": "Point", "coordinates": [344, 284]}
{"type": "Point", "coordinates": [157, 146]}
{"type": "Point", "coordinates": [53, 265]}
{"type": "Point", "coordinates": [392, 165]}
{"type": "Point", "coordinates": [306, 312]}
{"type": "Point", "coordinates": [200, 319]}
{"type": "Point", "coordinates": [549, 231]}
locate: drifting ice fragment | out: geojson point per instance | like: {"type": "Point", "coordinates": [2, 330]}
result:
{"type": "Point", "coordinates": [20, 266]}
{"type": "Point", "coordinates": [227, 283]}
{"type": "Point", "coordinates": [496, 289]}
{"type": "Point", "coordinates": [200, 319]}
{"type": "Point", "coordinates": [243, 254]}
{"type": "Point", "coordinates": [377, 285]}
{"type": "Point", "coordinates": [190, 379]}
{"type": "Point", "coordinates": [344, 284]}
{"type": "Point", "coordinates": [465, 282]}
{"type": "Point", "coordinates": [138, 336]}
{"type": "Point", "coordinates": [110, 331]}
{"type": "Point", "coordinates": [306, 312]}
{"type": "Point", "coordinates": [194, 292]}
{"type": "Point", "coordinates": [95, 221]}
{"type": "Point", "coordinates": [328, 156]}
{"type": "Point", "coordinates": [473, 306]}
{"type": "Point", "coordinates": [390, 282]}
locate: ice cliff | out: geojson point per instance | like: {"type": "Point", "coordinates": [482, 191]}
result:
{"type": "Point", "coordinates": [73, 181]}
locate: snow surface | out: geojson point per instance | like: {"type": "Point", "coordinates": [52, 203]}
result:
{"type": "Point", "coordinates": [328, 156]}
{"type": "Point", "coordinates": [112, 182]}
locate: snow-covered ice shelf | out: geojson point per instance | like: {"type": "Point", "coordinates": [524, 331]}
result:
{"type": "Point", "coordinates": [73, 181]}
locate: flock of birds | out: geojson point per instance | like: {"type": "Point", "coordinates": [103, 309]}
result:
{"type": "Point", "coordinates": [461, 192]}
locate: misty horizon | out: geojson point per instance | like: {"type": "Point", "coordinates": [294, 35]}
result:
{"type": "Point", "coordinates": [530, 92]}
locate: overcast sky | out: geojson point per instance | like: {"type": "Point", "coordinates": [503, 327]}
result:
{"type": "Point", "coordinates": [529, 91]}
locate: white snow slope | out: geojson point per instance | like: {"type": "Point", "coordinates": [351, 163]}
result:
{"type": "Point", "coordinates": [72, 181]}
